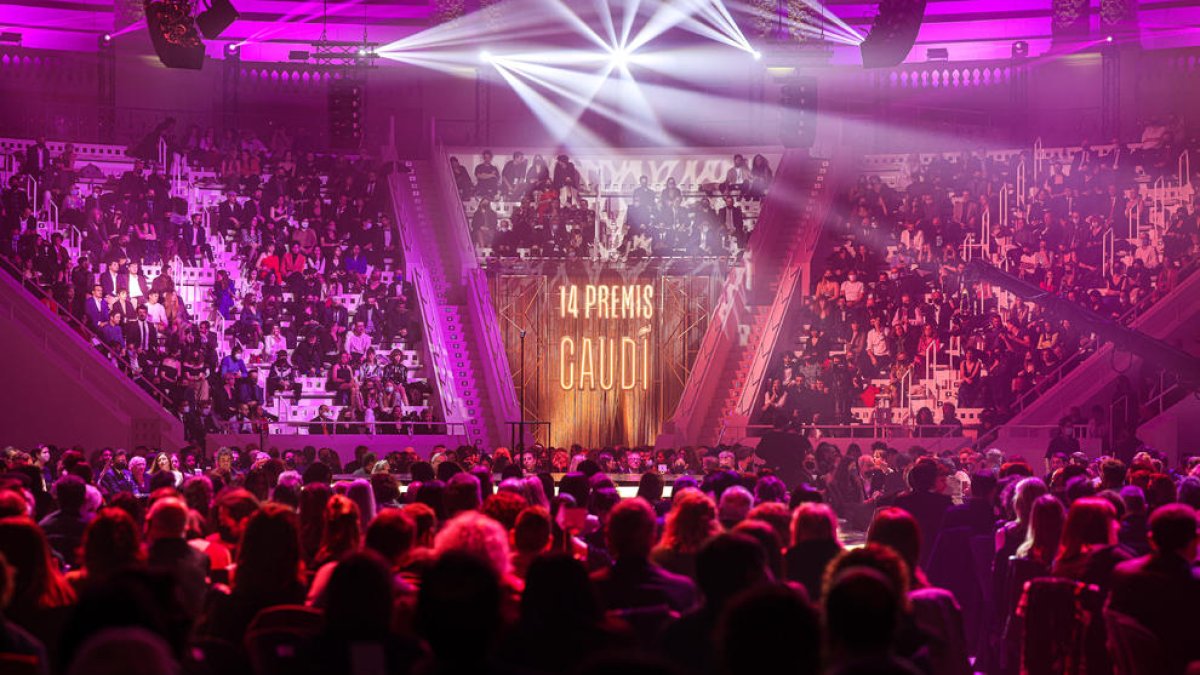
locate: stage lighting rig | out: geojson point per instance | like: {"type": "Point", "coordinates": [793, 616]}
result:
{"type": "Point", "coordinates": [338, 53]}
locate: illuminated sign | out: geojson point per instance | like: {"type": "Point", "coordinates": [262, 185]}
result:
{"type": "Point", "coordinates": [589, 361]}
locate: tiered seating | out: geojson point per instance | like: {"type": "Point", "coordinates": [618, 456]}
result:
{"type": "Point", "coordinates": [195, 286]}
{"type": "Point", "coordinates": [1119, 257]}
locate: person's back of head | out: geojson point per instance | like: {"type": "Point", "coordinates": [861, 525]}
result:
{"type": "Point", "coordinates": [923, 474]}
{"type": "Point", "coordinates": [532, 531]}
{"type": "Point", "coordinates": [458, 608]}
{"type": "Point", "coordinates": [358, 598]}
{"type": "Point", "coordinates": [736, 502]}
{"type": "Point", "coordinates": [861, 612]}
{"type": "Point", "coordinates": [558, 594]}
{"type": "Point", "coordinates": [71, 492]}
{"type": "Point", "coordinates": [728, 564]}
{"type": "Point", "coordinates": [1173, 530]}
{"type": "Point", "coordinates": [650, 486]}
{"type": "Point", "coordinates": [983, 485]}
{"type": "Point", "coordinates": [392, 535]}
{"type": "Point", "coordinates": [630, 529]}
{"type": "Point", "coordinates": [1135, 500]}
{"type": "Point", "coordinates": [1189, 491]}
{"type": "Point", "coordinates": [475, 533]}
{"type": "Point", "coordinates": [462, 494]}
{"type": "Point", "coordinates": [575, 484]}
{"type": "Point", "coordinates": [813, 521]}
{"type": "Point", "coordinates": [769, 629]}
{"type": "Point", "coordinates": [898, 530]}
{"type": "Point", "coordinates": [504, 507]}
{"type": "Point", "coordinates": [168, 519]}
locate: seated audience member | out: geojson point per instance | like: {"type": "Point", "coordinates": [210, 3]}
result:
{"type": "Point", "coordinates": [634, 581]}
{"type": "Point", "coordinates": [726, 565]}
{"type": "Point", "coordinates": [691, 521]}
{"type": "Point", "coordinates": [925, 501]}
{"type": "Point", "coordinates": [269, 572]}
{"type": "Point", "coordinates": [167, 549]}
{"type": "Point", "coordinates": [1160, 590]}
{"type": "Point", "coordinates": [814, 543]}
{"type": "Point", "coordinates": [64, 528]}
{"type": "Point", "coordinates": [770, 628]}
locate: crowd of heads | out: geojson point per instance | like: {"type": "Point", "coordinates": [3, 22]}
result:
{"type": "Point", "coordinates": [891, 297]}
{"type": "Point", "coordinates": [468, 562]}
{"type": "Point", "coordinates": [304, 233]}
{"type": "Point", "coordinates": [527, 206]}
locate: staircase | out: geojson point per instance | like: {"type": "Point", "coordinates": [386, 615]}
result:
{"type": "Point", "coordinates": [1174, 319]}
{"type": "Point", "coordinates": [753, 308]}
{"type": "Point", "coordinates": [61, 390]}
{"type": "Point", "coordinates": [469, 361]}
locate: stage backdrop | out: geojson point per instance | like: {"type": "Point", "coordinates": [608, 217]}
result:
{"type": "Point", "coordinates": [607, 349]}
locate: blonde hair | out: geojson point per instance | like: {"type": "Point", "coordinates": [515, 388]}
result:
{"type": "Point", "coordinates": [692, 520]}
{"type": "Point", "coordinates": [476, 534]}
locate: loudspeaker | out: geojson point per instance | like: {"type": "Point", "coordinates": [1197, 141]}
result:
{"type": "Point", "coordinates": [173, 33]}
{"type": "Point", "coordinates": [214, 20]}
{"type": "Point", "coordinates": [798, 121]}
{"type": "Point", "coordinates": [345, 114]}
{"type": "Point", "coordinates": [893, 33]}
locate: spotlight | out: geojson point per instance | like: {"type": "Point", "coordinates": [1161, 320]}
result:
{"type": "Point", "coordinates": [231, 48]}
{"type": "Point", "coordinates": [620, 57]}
{"type": "Point", "coordinates": [362, 51]}
{"type": "Point", "coordinates": [756, 54]}
{"type": "Point", "coordinates": [1108, 39]}
{"type": "Point", "coordinates": [107, 37]}
{"type": "Point", "coordinates": [214, 20]}
{"type": "Point", "coordinates": [485, 56]}
{"type": "Point", "coordinates": [1020, 49]}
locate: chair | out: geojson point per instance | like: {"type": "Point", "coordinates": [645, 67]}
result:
{"type": "Point", "coordinates": [1055, 617]}
{"type": "Point", "coordinates": [20, 664]}
{"type": "Point", "coordinates": [210, 656]}
{"type": "Point", "coordinates": [1134, 649]}
{"type": "Point", "coordinates": [276, 637]}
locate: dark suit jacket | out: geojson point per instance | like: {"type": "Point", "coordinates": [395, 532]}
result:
{"type": "Point", "coordinates": [133, 334]}
{"type": "Point", "coordinates": [641, 583]}
{"type": "Point", "coordinates": [929, 509]}
{"type": "Point", "coordinates": [111, 285]}
{"type": "Point", "coordinates": [1161, 592]}
{"type": "Point", "coordinates": [37, 158]}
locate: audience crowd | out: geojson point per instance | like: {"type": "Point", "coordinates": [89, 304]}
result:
{"type": "Point", "coordinates": [270, 562]}
{"type": "Point", "coordinates": [527, 206]}
{"type": "Point", "coordinates": [309, 233]}
{"type": "Point", "coordinates": [891, 297]}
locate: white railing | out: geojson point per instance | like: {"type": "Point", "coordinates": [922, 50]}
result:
{"type": "Point", "coordinates": [1109, 251]}
{"type": "Point", "coordinates": [1185, 169]}
{"type": "Point", "coordinates": [1022, 183]}
{"type": "Point", "coordinates": [1039, 156]}
{"type": "Point", "coordinates": [31, 192]}
{"type": "Point", "coordinates": [931, 360]}
{"type": "Point", "coordinates": [1004, 204]}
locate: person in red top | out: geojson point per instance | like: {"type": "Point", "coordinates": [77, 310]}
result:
{"type": "Point", "coordinates": [293, 262]}
{"type": "Point", "coordinates": [269, 265]}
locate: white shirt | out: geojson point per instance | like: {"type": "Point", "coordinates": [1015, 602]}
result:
{"type": "Point", "coordinates": [877, 342]}
{"type": "Point", "coordinates": [275, 345]}
{"type": "Point", "coordinates": [1148, 254]}
{"type": "Point", "coordinates": [357, 344]}
{"type": "Point", "coordinates": [156, 314]}
{"type": "Point", "coordinates": [853, 290]}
